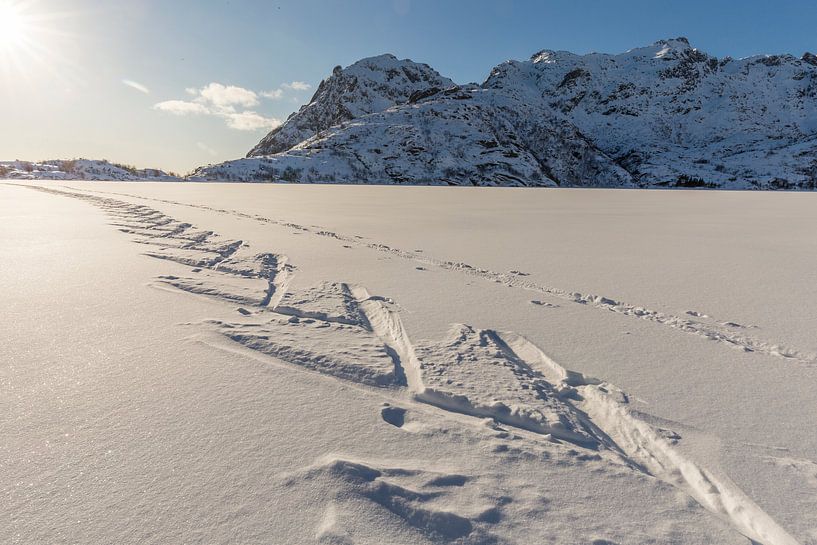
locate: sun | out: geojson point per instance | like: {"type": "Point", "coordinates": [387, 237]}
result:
{"type": "Point", "coordinates": [13, 28]}
{"type": "Point", "coordinates": [32, 42]}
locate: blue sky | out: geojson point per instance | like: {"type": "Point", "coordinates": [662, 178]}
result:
{"type": "Point", "coordinates": [62, 90]}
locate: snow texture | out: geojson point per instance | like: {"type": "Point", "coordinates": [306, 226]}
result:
{"type": "Point", "coordinates": [486, 381]}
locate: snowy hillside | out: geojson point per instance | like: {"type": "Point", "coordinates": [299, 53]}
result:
{"type": "Point", "coordinates": [368, 86]}
{"type": "Point", "coordinates": [459, 136]}
{"type": "Point", "coordinates": [669, 112]}
{"type": "Point", "coordinates": [663, 115]}
{"type": "Point", "coordinates": [78, 169]}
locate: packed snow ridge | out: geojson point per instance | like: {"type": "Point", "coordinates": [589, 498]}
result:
{"type": "Point", "coordinates": [666, 115]}
{"type": "Point", "coordinates": [79, 169]}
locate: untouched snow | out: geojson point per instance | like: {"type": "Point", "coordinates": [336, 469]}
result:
{"type": "Point", "coordinates": [666, 115]}
{"type": "Point", "coordinates": [279, 364]}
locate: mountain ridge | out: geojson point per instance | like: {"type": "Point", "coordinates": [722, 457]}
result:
{"type": "Point", "coordinates": [373, 78]}
{"type": "Point", "coordinates": [663, 115]}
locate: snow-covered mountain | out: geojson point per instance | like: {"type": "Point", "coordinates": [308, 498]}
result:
{"type": "Point", "coordinates": [368, 86]}
{"type": "Point", "coordinates": [663, 115]}
{"type": "Point", "coordinates": [79, 169]}
{"type": "Point", "coordinates": [670, 113]}
{"type": "Point", "coordinates": [464, 135]}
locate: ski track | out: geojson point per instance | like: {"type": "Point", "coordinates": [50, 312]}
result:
{"type": "Point", "coordinates": [729, 333]}
{"type": "Point", "coordinates": [343, 331]}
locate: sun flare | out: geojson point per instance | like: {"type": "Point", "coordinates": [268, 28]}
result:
{"type": "Point", "coordinates": [33, 41]}
{"type": "Point", "coordinates": [13, 28]}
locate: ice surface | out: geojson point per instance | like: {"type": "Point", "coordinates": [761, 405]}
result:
{"type": "Point", "coordinates": [296, 367]}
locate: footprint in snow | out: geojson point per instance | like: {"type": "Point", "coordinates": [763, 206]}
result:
{"type": "Point", "coordinates": [543, 304]}
{"type": "Point", "coordinates": [396, 416]}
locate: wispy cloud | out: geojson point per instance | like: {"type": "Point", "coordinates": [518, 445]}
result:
{"type": "Point", "coordinates": [224, 96]}
{"type": "Point", "coordinates": [181, 107]}
{"type": "Point", "coordinates": [228, 102]}
{"type": "Point", "coordinates": [278, 94]}
{"type": "Point", "coordinates": [250, 121]}
{"type": "Point", "coordinates": [275, 94]}
{"type": "Point", "coordinates": [297, 86]}
{"type": "Point", "coordinates": [136, 85]}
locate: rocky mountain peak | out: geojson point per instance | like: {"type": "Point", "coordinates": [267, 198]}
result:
{"type": "Point", "coordinates": [665, 50]}
{"type": "Point", "coordinates": [680, 43]}
{"type": "Point", "coordinates": [369, 85]}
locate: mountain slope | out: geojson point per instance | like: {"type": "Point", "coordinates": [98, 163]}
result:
{"type": "Point", "coordinates": [663, 115]}
{"type": "Point", "coordinates": [369, 85]}
{"type": "Point", "coordinates": [462, 136]}
{"type": "Point", "coordinates": [669, 111]}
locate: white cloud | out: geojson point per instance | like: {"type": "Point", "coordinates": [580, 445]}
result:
{"type": "Point", "coordinates": [275, 94]}
{"type": "Point", "coordinates": [226, 96]}
{"type": "Point", "coordinates": [181, 107]}
{"type": "Point", "coordinates": [136, 85]}
{"type": "Point", "coordinates": [228, 102]}
{"type": "Point", "coordinates": [297, 86]}
{"type": "Point", "coordinates": [250, 121]}
{"type": "Point", "coordinates": [278, 94]}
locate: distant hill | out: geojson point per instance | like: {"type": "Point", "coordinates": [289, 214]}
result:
{"type": "Point", "coordinates": [79, 169]}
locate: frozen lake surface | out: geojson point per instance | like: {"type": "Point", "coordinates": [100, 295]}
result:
{"type": "Point", "coordinates": [211, 363]}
